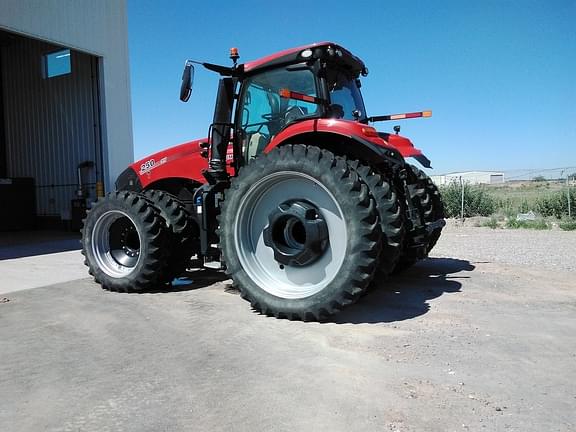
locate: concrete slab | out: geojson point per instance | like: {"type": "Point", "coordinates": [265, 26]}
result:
{"type": "Point", "coordinates": [453, 344]}
{"type": "Point", "coordinates": [36, 271]}
{"type": "Point", "coordinates": [449, 346]}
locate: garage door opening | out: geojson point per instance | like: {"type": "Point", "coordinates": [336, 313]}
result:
{"type": "Point", "coordinates": [51, 159]}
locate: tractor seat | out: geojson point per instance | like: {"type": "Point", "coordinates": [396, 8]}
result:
{"type": "Point", "coordinates": [256, 144]}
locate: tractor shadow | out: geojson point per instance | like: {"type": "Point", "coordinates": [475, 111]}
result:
{"type": "Point", "coordinates": [191, 280]}
{"type": "Point", "coordinates": [406, 295]}
{"type": "Point", "coordinates": [21, 244]}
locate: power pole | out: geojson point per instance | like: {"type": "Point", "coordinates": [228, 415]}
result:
{"type": "Point", "coordinates": [462, 201]}
{"type": "Point", "coordinates": [568, 191]}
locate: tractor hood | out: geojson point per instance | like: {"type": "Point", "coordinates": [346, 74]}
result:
{"type": "Point", "coordinates": [184, 161]}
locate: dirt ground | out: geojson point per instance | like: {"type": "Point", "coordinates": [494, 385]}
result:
{"type": "Point", "coordinates": [470, 339]}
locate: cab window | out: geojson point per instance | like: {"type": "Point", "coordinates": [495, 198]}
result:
{"type": "Point", "coordinates": [264, 113]}
{"type": "Point", "coordinates": [345, 97]}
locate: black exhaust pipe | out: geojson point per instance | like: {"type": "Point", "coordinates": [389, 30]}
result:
{"type": "Point", "coordinates": [221, 127]}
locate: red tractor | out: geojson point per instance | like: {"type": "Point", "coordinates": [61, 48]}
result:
{"type": "Point", "coordinates": [299, 199]}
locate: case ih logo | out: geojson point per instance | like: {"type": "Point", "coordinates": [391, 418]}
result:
{"type": "Point", "coordinates": [150, 164]}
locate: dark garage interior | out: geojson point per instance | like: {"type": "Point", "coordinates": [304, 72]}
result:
{"type": "Point", "coordinates": [51, 160]}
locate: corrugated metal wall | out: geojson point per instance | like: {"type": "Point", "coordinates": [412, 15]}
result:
{"type": "Point", "coordinates": [51, 124]}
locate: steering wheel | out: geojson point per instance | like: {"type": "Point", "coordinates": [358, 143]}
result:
{"type": "Point", "coordinates": [271, 116]}
{"type": "Point", "coordinates": [293, 113]}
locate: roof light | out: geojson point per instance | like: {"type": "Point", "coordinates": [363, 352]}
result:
{"type": "Point", "coordinates": [234, 56]}
{"type": "Point", "coordinates": [306, 53]}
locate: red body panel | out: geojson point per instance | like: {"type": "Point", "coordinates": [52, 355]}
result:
{"type": "Point", "coordinates": [183, 161]}
{"type": "Point", "coordinates": [403, 145]}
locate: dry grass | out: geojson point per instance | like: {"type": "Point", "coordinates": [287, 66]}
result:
{"type": "Point", "coordinates": [521, 197]}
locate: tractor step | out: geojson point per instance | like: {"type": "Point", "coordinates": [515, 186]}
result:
{"type": "Point", "coordinates": [440, 223]}
{"type": "Point", "coordinates": [417, 250]}
{"type": "Point", "coordinates": [214, 265]}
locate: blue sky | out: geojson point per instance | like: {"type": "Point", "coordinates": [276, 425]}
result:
{"type": "Point", "coordinates": [499, 76]}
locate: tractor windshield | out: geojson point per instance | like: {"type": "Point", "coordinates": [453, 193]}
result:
{"type": "Point", "coordinates": [264, 113]}
{"type": "Point", "coordinates": [345, 97]}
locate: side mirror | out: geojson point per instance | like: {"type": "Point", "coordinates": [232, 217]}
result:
{"type": "Point", "coordinates": [187, 81]}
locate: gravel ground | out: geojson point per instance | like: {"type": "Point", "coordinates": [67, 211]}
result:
{"type": "Point", "coordinates": [551, 249]}
{"type": "Point", "coordinates": [472, 339]}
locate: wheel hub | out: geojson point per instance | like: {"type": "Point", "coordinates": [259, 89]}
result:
{"type": "Point", "coordinates": [130, 241]}
{"type": "Point", "coordinates": [124, 242]}
{"type": "Point", "coordinates": [116, 243]}
{"type": "Point", "coordinates": [296, 232]}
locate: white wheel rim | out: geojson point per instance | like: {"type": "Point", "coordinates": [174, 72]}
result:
{"type": "Point", "coordinates": [257, 259]}
{"type": "Point", "coordinates": [115, 262]}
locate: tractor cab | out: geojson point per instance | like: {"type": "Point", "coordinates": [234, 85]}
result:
{"type": "Point", "coordinates": [318, 81]}
{"type": "Point", "coordinates": [273, 100]}
{"type": "Point", "coordinates": [310, 89]}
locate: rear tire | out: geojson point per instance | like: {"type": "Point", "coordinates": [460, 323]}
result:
{"type": "Point", "coordinates": [250, 236]}
{"type": "Point", "coordinates": [124, 242]}
{"type": "Point", "coordinates": [426, 199]}
{"type": "Point", "coordinates": [390, 215]}
{"type": "Point", "coordinates": [436, 209]}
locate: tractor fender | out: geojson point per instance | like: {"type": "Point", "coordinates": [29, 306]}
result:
{"type": "Point", "coordinates": [405, 147]}
{"type": "Point", "coordinates": [342, 137]}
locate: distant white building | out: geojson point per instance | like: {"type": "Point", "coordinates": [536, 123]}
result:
{"type": "Point", "coordinates": [471, 177]}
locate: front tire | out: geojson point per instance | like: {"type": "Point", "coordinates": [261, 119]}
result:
{"type": "Point", "coordinates": [299, 233]}
{"type": "Point", "coordinates": [180, 230]}
{"type": "Point", "coordinates": [124, 242]}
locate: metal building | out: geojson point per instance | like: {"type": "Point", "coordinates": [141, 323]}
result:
{"type": "Point", "coordinates": [471, 177]}
{"type": "Point", "coordinates": [65, 116]}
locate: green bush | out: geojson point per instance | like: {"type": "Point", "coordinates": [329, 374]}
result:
{"type": "Point", "coordinates": [477, 202]}
{"type": "Point", "coordinates": [512, 206]}
{"type": "Point", "coordinates": [491, 223]}
{"type": "Point", "coordinates": [568, 225]}
{"type": "Point", "coordinates": [538, 224]}
{"type": "Point", "coordinates": [556, 204]}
